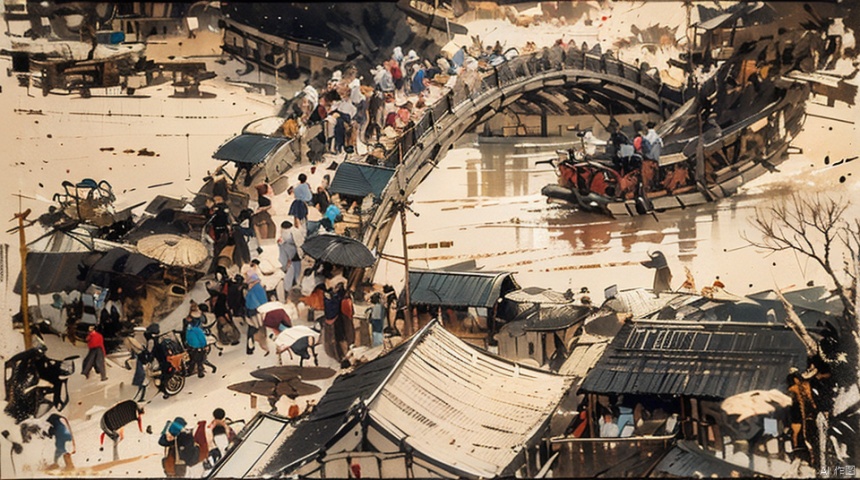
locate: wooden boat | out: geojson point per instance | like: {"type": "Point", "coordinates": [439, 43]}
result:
{"type": "Point", "coordinates": [700, 162]}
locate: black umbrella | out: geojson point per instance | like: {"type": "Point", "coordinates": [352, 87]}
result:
{"type": "Point", "coordinates": [338, 250]}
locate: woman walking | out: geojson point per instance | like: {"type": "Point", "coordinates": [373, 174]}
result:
{"type": "Point", "coordinates": [255, 297]}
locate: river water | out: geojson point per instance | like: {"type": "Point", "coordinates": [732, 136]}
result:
{"type": "Point", "coordinates": [483, 203]}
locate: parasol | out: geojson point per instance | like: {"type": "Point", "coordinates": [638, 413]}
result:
{"type": "Point", "coordinates": [338, 250]}
{"type": "Point", "coordinates": [292, 371]}
{"type": "Point", "coordinates": [294, 387]}
{"type": "Point", "coordinates": [263, 388]}
{"type": "Point", "coordinates": [174, 250]}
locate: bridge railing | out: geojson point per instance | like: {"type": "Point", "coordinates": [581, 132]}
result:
{"type": "Point", "coordinates": [469, 91]}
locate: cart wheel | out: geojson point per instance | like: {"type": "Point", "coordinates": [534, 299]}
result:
{"type": "Point", "coordinates": [174, 384]}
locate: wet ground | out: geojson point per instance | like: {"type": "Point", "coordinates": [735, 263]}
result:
{"type": "Point", "coordinates": [484, 203]}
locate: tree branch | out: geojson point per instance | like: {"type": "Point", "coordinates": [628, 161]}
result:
{"type": "Point", "coordinates": [796, 325]}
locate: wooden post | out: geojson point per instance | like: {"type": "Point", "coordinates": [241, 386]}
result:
{"type": "Point", "coordinates": [592, 398]}
{"type": "Point", "coordinates": [543, 123]}
{"type": "Point", "coordinates": [700, 153]}
{"type": "Point", "coordinates": [25, 313]}
{"type": "Point", "coordinates": [407, 314]}
{"type": "Point", "coordinates": [403, 184]}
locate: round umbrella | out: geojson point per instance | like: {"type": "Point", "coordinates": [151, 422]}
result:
{"type": "Point", "coordinates": [263, 388]}
{"type": "Point", "coordinates": [339, 250]}
{"type": "Point", "coordinates": [295, 388]}
{"type": "Point", "coordinates": [285, 372]}
{"type": "Point", "coordinates": [173, 250]}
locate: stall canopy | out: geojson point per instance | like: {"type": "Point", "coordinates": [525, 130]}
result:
{"type": "Point", "coordinates": [51, 272]}
{"type": "Point", "coordinates": [459, 289]}
{"type": "Point", "coordinates": [120, 262]}
{"type": "Point", "coordinates": [359, 180]}
{"type": "Point", "coordinates": [248, 148]}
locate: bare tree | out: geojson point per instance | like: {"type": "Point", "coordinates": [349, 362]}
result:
{"type": "Point", "coordinates": [814, 226]}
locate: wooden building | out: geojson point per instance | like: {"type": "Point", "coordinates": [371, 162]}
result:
{"type": "Point", "coordinates": [666, 374]}
{"type": "Point", "coordinates": [434, 407]}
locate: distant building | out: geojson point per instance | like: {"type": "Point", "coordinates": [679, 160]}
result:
{"type": "Point", "coordinates": [272, 52]}
{"type": "Point", "coordinates": [141, 20]}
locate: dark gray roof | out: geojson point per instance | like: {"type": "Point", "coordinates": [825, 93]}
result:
{"type": "Point", "coordinates": [51, 272]}
{"type": "Point", "coordinates": [459, 289]}
{"type": "Point", "coordinates": [686, 460]}
{"type": "Point", "coordinates": [547, 319]}
{"type": "Point", "coordinates": [707, 359]}
{"type": "Point", "coordinates": [162, 202]}
{"type": "Point", "coordinates": [313, 433]}
{"type": "Point", "coordinates": [817, 299]}
{"type": "Point", "coordinates": [813, 306]}
{"type": "Point", "coordinates": [248, 148]}
{"type": "Point", "coordinates": [358, 180]}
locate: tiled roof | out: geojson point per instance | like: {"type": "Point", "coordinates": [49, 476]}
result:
{"type": "Point", "coordinates": [707, 359]}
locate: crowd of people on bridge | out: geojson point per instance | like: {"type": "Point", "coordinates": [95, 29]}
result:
{"type": "Point", "coordinates": [378, 111]}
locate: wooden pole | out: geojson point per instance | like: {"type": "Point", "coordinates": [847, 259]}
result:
{"type": "Point", "coordinates": [407, 314]}
{"type": "Point", "coordinates": [25, 313]}
{"type": "Point", "coordinates": [690, 37]}
{"type": "Point", "coordinates": [402, 183]}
